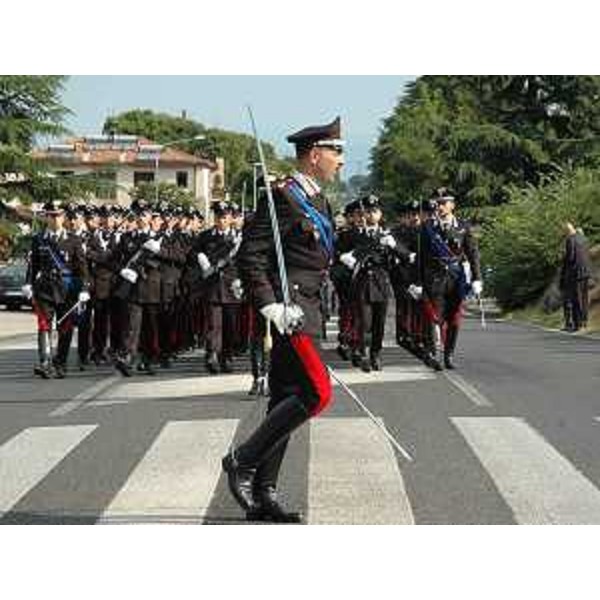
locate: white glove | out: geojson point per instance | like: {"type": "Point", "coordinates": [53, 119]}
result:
{"type": "Point", "coordinates": [477, 287]}
{"type": "Point", "coordinates": [27, 291]}
{"type": "Point", "coordinates": [129, 275]}
{"type": "Point", "coordinates": [152, 245]}
{"type": "Point", "coordinates": [388, 240]}
{"type": "Point", "coordinates": [416, 291]}
{"type": "Point", "coordinates": [286, 319]}
{"type": "Point", "coordinates": [203, 261]}
{"type": "Point", "coordinates": [412, 258]}
{"type": "Point", "coordinates": [348, 260]}
{"type": "Point", "coordinates": [237, 289]}
{"type": "Point", "coordinates": [83, 297]}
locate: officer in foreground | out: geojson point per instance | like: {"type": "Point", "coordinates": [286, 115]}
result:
{"type": "Point", "coordinates": [298, 380]}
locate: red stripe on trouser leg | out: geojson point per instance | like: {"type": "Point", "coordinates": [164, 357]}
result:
{"type": "Point", "coordinates": [429, 312]}
{"type": "Point", "coordinates": [42, 317]}
{"type": "Point", "coordinates": [315, 370]}
{"type": "Point", "coordinates": [457, 315]}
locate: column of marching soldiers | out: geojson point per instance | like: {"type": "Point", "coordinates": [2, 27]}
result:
{"type": "Point", "coordinates": [146, 283]}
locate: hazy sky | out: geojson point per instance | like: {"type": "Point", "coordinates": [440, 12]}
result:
{"type": "Point", "coordinates": [281, 104]}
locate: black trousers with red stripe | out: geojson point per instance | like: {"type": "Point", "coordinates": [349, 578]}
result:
{"type": "Point", "coordinates": [300, 388]}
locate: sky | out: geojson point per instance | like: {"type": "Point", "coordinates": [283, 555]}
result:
{"type": "Point", "coordinates": [281, 104]}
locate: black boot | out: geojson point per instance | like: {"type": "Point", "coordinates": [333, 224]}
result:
{"type": "Point", "coordinates": [343, 351]}
{"type": "Point", "coordinates": [240, 479]}
{"type": "Point", "coordinates": [241, 464]}
{"type": "Point", "coordinates": [265, 490]}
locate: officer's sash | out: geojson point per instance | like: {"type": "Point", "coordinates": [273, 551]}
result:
{"type": "Point", "coordinates": [68, 278]}
{"type": "Point", "coordinates": [320, 221]}
{"type": "Point", "coordinates": [442, 251]}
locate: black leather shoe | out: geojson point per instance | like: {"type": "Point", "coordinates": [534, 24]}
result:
{"type": "Point", "coordinates": [432, 361]}
{"type": "Point", "coordinates": [356, 360]}
{"type": "Point", "coordinates": [343, 351]}
{"type": "Point", "coordinates": [365, 365]}
{"type": "Point", "coordinates": [226, 365]}
{"type": "Point", "coordinates": [44, 370]}
{"type": "Point", "coordinates": [376, 362]}
{"type": "Point", "coordinates": [449, 362]}
{"type": "Point", "coordinates": [212, 363]}
{"type": "Point", "coordinates": [240, 480]}
{"type": "Point", "coordinates": [60, 371]}
{"type": "Point", "coordinates": [268, 509]}
{"type": "Point", "coordinates": [122, 365]}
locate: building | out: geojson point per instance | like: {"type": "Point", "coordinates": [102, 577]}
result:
{"type": "Point", "coordinates": [125, 161]}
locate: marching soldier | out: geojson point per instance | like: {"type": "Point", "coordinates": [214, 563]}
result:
{"type": "Point", "coordinates": [298, 380]}
{"type": "Point", "coordinates": [341, 276]}
{"type": "Point", "coordinates": [57, 284]}
{"type": "Point", "coordinates": [450, 272]}
{"type": "Point", "coordinates": [216, 250]}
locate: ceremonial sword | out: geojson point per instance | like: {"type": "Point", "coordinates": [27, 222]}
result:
{"type": "Point", "coordinates": [286, 292]}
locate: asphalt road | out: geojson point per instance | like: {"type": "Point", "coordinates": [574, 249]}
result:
{"type": "Point", "coordinates": [512, 436]}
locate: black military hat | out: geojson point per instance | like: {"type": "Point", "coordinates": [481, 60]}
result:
{"type": "Point", "coordinates": [352, 206]}
{"type": "Point", "coordinates": [220, 207]}
{"type": "Point", "coordinates": [140, 206]}
{"type": "Point", "coordinates": [370, 201]}
{"type": "Point", "coordinates": [413, 206]}
{"type": "Point", "coordinates": [319, 135]}
{"type": "Point", "coordinates": [443, 194]}
{"type": "Point", "coordinates": [52, 207]}
{"type": "Point", "coordinates": [103, 211]}
{"type": "Point", "coordinates": [429, 205]}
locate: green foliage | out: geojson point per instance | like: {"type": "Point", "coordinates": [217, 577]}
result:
{"type": "Point", "coordinates": [522, 241]}
{"type": "Point", "coordinates": [30, 105]}
{"type": "Point", "coordinates": [482, 135]}
{"type": "Point", "coordinates": [166, 192]}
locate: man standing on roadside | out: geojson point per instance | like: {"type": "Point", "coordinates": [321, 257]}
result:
{"type": "Point", "coordinates": [575, 275]}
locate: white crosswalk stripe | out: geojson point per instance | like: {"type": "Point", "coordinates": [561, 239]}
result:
{"type": "Point", "coordinates": [538, 483]}
{"type": "Point", "coordinates": [354, 476]}
{"type": "Point", "coordinates": [177, 477]}
{"type": "Point", "coordinates": [29, 456]}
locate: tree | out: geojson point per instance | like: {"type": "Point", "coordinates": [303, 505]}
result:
{"type": "Point", "coordinates": [482, 134]}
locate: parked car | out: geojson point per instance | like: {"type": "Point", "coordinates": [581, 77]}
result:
{"type": "Point", "coordinates": [12, 279]}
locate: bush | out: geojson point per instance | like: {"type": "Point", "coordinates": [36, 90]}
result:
{"type": "Point", "coordinates": [522, 242]}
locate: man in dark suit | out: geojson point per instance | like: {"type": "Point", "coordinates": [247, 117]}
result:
{"type": "Point", "coordinates": [575, 275]}
{"type": "Point", "coordinates": [298, 380]}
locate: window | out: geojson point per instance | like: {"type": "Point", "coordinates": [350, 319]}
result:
{"type": "Point", "coordinates": [182, 179]}
{"type": "Point", "coordinates": [142, 177]}
{"type": "Point", "coordinates": [106, 185]}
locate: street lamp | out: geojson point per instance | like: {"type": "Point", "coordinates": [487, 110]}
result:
{"type": "Point", "coordinates": [198, 137]}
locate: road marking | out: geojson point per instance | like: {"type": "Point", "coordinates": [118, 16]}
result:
{"type": "Point", "coordinates": [194, 387]}
{"type": "Point", "coordinates": [177, 476]}
{"type": "Point", "coordinates": [29, 456]}
{"type": "Point", "coordinates": [467, 389]}
{"type": "Point", "coordinates": [333, 345]}
{"type": "Point", "coordinates": [354, 476]}
{"type": "Point", "coordinates": [538, 483]}
{"type": "Point", "coordinates": [84, 396]}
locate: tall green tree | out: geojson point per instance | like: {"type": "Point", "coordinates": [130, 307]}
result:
{"type": "Point", "coordinates": [483, 134]}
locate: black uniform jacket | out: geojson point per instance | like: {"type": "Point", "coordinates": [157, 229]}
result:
{"type": "Point", "coordinates": [306, 260]}
{"type": "Point", "coordinates": [57, 266]}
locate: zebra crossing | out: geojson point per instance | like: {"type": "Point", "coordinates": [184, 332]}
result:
{"type": "Point", "coordinates": [354, 477]}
